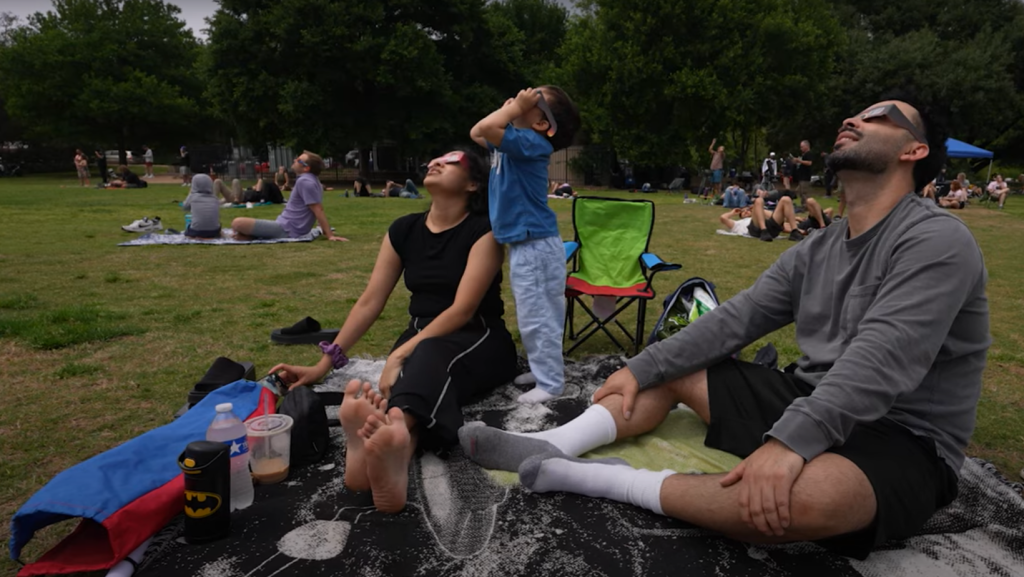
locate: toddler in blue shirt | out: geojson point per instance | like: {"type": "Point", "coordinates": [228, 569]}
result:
{"type": "Point", "coordinates": [522, 134]}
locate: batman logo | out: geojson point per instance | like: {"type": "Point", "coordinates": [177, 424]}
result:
{"type": "Point", "coordinates": [199, 505]}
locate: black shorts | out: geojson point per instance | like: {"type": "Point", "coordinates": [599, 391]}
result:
{"type": "Point", "coordinates": [770, 225]}
{"type": "Point", "coordinates": [909, 478]}
{"type": "Point", "coordinates": [445, 373]}
{"type": "Point", "coordinates": [809, 224]}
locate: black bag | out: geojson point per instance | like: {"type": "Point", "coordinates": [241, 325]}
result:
{"type": "Point", "coordinates": [678, 305]}
{"type": "Point", "coordinates": [309, 429]}
{"type": "Point", "coordinates": [253, 196]}
{"type": "Point", "coordinates": [272, 193]}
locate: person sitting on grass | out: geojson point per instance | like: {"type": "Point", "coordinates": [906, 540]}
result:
{"type": "Point", "coordinates": [407, 191]}
{"type": "Point", "coordinates": [281, 179]}
{"type": "Point", "coordinates": [561, 190]}
{"type": "Point", "coordinates": [303, 209]}
{"type": "Point", "coordinates": [735, 197]}
{"type": "Point", "coordinates": [456, 347]}
{"type": "Point", "coordinates": [767, 225]}
{"type": "Point", "coordinates": [361, 187]}
{"type": "Point", "coordinates": [956, 199]}
{"type": "Point", "coordinates": [128, 179]}
{"type": "Point", "coordinates": [202, 203]}
{"type": "Point", "coordinates": [864, 441]}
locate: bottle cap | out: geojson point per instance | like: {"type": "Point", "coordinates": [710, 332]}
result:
{"type": "Point", "coordinates": [224, 407]}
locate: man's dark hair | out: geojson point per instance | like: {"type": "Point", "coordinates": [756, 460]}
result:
{"type": "Point", "coordinates": [932, 122]}
{"type": "Point", "coordinates": [479, 172]}
{"type": "Point", "coordinates": [566, 115]}
{"type": "Point", "coordinates": [316, 164]}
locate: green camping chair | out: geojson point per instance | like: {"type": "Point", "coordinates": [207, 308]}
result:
{"type": "Point", "coordinates": [610, 257]}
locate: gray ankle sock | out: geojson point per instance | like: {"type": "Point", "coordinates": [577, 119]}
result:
{"type": "Point", "coordinates": [499, 450]}
{"type": "Point", "coordinates": [530, 468]}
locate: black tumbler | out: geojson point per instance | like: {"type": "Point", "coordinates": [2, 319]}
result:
{"type": "Point", "coordinates": [207, 468]}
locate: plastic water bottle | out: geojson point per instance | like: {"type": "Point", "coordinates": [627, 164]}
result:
{"type": "Point", "coordinates": [188, 221]}
{"type": "Point", "coordinates": [227, 428]}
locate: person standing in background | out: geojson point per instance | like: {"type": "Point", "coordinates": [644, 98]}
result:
{"type": "Point", "coordinates": [148, 157]}
{"type": "Point", "coordinates": [717, 164]}
{"type": "Point", "coordinates": [803, 172]}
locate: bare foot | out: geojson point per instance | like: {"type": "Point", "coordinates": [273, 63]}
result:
{"type": "Point", "coordinates": [389, 448]}
{"type": "Point", "coordinates": [355, 408]}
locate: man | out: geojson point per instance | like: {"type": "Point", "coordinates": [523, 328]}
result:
{"type": "Point", "coordinates": [998, 190]}
{"type": "Point", "coordinates": [767, 224]}
{"type": "Point", "coordinates": [128, 179]}
{"type": "Point", "coordinates": [148, 158]}
{"type": "Point", "coordinates": [803, 172]}
{"type": "Point", "coordinates": [717, 163]}
{"type": "Point", "coordinates": [769, 169]}
{"type": "Point", "coordinates": [864, 442]}
{"type": "Point", "coordinates": [101, 164]}
{"type": "Point", "coordinates": [303, 209]}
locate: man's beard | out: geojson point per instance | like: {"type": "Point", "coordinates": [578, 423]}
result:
{"type": "Point", "coordinates": [860, 158]}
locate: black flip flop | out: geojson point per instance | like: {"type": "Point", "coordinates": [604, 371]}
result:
{"type": "Point", "coordinates": [222, 372]}
{"type": "Point", "coordinates": [305, 332]}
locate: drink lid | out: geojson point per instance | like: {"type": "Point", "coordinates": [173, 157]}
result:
{"type": "Point", "coordinates": [268, 426]}
{"type": "Point", "coordinates": [224, 407]}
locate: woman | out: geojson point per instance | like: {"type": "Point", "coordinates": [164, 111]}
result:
{"type": "Point", "coordinates": [957, 197]}
{"type": "Point", "coordinates": [360, 187]}
{"type": "Point", "coordinates": [455, 349]}
{"type": "Point", "coordinates": [82, 166]}
{"type": "Point", "coordinates": [281, 178]}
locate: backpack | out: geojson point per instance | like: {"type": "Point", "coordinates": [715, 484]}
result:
{"type": "Point", "coordinates": [310, 435]}
{"type": "Point", "coordinates": [682, 307]}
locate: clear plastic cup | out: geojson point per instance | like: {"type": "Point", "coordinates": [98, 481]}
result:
{"type": "Point", "coordinates": [270, 447]}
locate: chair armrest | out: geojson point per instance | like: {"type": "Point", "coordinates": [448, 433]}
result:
{"type": "Point", "coordinates": [655, 264]}
{"type": "Point", "coordinates": [570, 249]}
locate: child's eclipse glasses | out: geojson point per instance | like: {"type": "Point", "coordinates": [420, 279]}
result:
{"type": "Point", "coordinates": [895, 116]}
{"type": "Point", "coordinates": [552, 123]}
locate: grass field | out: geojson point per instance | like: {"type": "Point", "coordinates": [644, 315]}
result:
{"type": "Point", "coordinates": [100, 343]}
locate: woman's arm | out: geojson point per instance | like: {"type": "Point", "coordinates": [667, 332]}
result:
{"type": "Point", "coordinates": [484, 262]}
{"type": "Point", "coordinates": [364, 313]}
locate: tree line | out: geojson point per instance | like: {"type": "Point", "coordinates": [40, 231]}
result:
{"type": "Point", "coordinates": [655, 79]}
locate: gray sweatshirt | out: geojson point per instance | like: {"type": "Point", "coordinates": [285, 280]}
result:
{"type": "Point", "coordinates": [203, 204]}
{"type": "Point", "coordinates": [893, 323]}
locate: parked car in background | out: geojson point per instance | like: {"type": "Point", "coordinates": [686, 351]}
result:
{"type": "Point", "coordinates": [114, 157]}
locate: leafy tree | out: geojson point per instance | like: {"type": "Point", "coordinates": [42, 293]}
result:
{"type": "Point", "coordinates": [100, 70]}
{"type": "Point", "coordinates": [331, 74]}
{"type": "Point", "coordinates": [541, 27]}
{"type": "Point", "coordinates": [658, 79]}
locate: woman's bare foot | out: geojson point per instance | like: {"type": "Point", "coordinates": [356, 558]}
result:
{"type": "Point", "coordinates": [359, 403]}
{"type": "Point", "coordinates": [389, 448]}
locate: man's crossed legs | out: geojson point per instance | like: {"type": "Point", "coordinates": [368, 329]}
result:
{"type": "Point", "coordinates": [832, 498]}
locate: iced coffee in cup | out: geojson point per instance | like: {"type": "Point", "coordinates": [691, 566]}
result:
{"type": "Point", "coordinates": [270, 447]}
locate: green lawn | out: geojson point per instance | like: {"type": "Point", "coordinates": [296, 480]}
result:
{"type": "Point", "coordinates": [100, 343]}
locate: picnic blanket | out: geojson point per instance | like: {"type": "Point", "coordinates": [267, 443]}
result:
{"type": "Point", "coordinates": [155, 238]}
{"type": "Point", "coordinates": [462, 520]}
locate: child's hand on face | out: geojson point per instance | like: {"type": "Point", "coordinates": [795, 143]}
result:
{"type": "Point", "coordinates": [527, 100]}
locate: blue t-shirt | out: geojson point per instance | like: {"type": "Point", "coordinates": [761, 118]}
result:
{"type": "Point", "coordinates": [518, 190]}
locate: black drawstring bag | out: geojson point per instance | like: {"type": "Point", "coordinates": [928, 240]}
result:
{"type": "Point", "coordinates": [309, 431]}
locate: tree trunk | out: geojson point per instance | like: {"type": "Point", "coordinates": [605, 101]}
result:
{"type": "Point", "coordinates": [122, 146]}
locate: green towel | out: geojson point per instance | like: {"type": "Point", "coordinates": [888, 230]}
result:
{"type": "Point", "coordinates": [677, 444]}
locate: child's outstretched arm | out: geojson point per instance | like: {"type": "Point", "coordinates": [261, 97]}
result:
{"type": "Point", "coordinates": [492, 128]}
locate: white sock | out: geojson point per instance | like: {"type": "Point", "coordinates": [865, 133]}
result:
{"type": "Point", "coordinates": [594, 428]}
{"type": "Point", "coordinates": [537, 395]}
{"type": "Point", "coordinates": [638, 487]}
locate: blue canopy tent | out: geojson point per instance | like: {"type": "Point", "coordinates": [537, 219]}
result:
{"type": "Point", "coordinates": [959, 149]}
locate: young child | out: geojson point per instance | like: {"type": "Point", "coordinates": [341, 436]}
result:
{"type": "Point", "coordinates": [205, 209]}
{"type": "Point", "coordinates": [522, 134]}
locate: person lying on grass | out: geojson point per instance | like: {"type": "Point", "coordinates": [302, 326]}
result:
{"type": "Point", "coordinates": [455, 349]}
{"type": "Point", "coordinates": [865, 440]}
{"type": "Point", "coordinates": [304, 207]}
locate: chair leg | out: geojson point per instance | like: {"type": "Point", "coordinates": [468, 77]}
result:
{"type": "Point", "coordinates": [641, 315]}
{"type": "Point", "coordinates": [600, 325]}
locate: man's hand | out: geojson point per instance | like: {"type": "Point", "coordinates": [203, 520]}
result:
{"type": "Point", "coordinates": [765, 487]}
{"type": "Point", "coordinates": [392, 369]}
{"type": "Point", "coordinates": [527, 100]}
{"type": "Point", "coordinates": [622, 382]}
{"type": "Point", "coordinates": [337, 238]}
